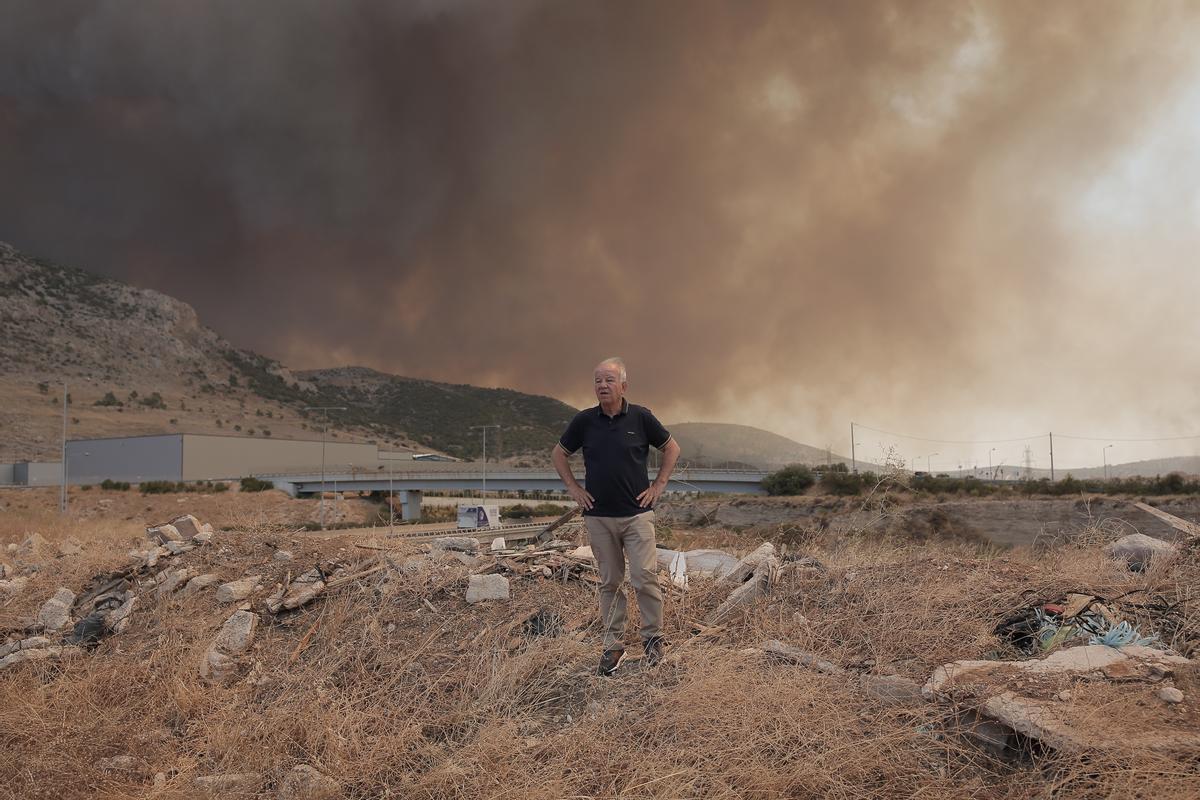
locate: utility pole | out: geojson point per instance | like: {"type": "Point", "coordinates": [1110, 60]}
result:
{"type": "Point", "coordinates": [853, 453]}
{"type": "Point", "coordinates": [391, 503]}
{"type": "Point", "coordinates": [324, 425]}
{"type": "Point", "coordinates": [484, 428]}
{"type": "Point", "coordinates": [929, 469]}
{"type": "Point", "coordinates": [1052, 457]}
{"type": "Point", "coordinates": [62, 500]}
{"type": "Point", "coordinates": [1104, 450]}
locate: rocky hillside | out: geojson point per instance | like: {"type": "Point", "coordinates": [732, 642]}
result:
{"type": "Point", "coordinates": [136, 361]}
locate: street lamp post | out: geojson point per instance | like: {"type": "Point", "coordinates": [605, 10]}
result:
{"type": "Point", "coordinates": [62, 501]}
{"type": "Point", "coordinates": [991, 474]}
{"type": "Point", "coordinates": [1104, 451]}
{"type": "Point", "coordinates": [484, 428]}
{"type": "Point", "coordinates": [928, 468]}
{"type": "Point", "coordinates": [324, 425]}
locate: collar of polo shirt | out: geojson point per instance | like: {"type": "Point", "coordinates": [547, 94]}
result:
{"type": "Point", "coordinates": [624, 409]}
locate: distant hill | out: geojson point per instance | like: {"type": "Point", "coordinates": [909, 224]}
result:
{"type": "Point", "coordinates": [137, 361]}
{"type": "Point", "coordinates": [716, 443]}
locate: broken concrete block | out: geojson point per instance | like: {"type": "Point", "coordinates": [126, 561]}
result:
{"type": "Point", "coordinates": [748, 565]}
{"type": "Point", "coordinates": [1137, 550]}
{"type": "Point", "coordinates": [301, 591]}
{"type": "Point", "coordinates": [51, 652]}
{"type": "Point", "coordinates": [203, 537]}
{"type": "Point", "coordinates": [32, 643]}
{"type": "Point", "coordinates": [997, 690]}
{"type": "Point", "coordinates": [463, 544]}
{"type": "Point", "coordinates": [55, 613]}
{"type": "Point", "coordinates": [234, 784]}
{"type": "Point", "coordinates": [583, 553]}
{"type": "Point", "coordinates": [497, 545]}
{"type": "Point", "coordinates": [744, 596]}
{"type": "Point", "coordinates": [118, 619]}
{"type": "Point", "coordinates": [174, 580]}
{"type": "Point", "coordinates": [282, 555]}
{"type": "Point", "coordinates": [1170, 694]}
{"type": "Point", "coordinates": [178, 548]}
{"type": "Point", "coordinates": [487, 587]}
{"type": "Point", "coordinates": [163, 534]}
{"type": "Point", "coordinates": [201, 582]}
{"type": "Point", "coordinates": [236, 591]}
{"type": "Point", "coordinates": [233, 640]}
{"type": "Point", "coordinates": [306, 783]}
{"type": "Point", "coordinates": [187, 525]}
{"type": "Point", "coordinates": [679, 570]}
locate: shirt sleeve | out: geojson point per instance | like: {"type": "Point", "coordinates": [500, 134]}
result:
{"type": "Point", "coordinates": [656, 434]}
{"type": "Point", "coordinates": [572, 438]}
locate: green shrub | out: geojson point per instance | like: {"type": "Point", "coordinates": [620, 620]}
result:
{"type": "Point", "coordinates": [549, 510]}
{"type": "Point", "coordinates": [518, 511]}
{"type": "Point", "coordinates": [114, 486]}
{"type": "Point", "coordinates": [252, 484]}
{"type": "Point", "coordinates": [790, 480]}
{"type": "Point", "coordinates": [109, 399]}
{"type": "Point", "coordinates": [153, 400]}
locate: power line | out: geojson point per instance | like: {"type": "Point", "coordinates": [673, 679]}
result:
{"type": "Point", "coordinates": [1114, 439]}
{"type": "Point", "coordinates": [950, 441]}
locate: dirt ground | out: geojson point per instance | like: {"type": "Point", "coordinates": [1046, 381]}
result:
{"type": "Point", "coordinates": [393, 686]}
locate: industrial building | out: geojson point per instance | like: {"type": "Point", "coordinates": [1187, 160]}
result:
{"type": "Point", "coordinates": [198, 457]}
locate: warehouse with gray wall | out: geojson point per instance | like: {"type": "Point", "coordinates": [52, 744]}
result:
{"type": "Point", "coordinates": [197, 457]}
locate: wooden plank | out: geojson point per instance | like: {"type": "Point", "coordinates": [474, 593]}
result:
{"type": "Point", "coordinates": [1190, 528]}
{"type": "Point", "coordinates": [544, 536]}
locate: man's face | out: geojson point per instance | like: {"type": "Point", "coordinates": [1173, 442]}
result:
{"type": "Point", "coordinates": [609, 386]}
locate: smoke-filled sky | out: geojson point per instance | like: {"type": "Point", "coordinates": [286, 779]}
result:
{"type": "Point", "coordinates": [951, 220]}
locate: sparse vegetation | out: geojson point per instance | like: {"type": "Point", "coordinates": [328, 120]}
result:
{"type": "Point", "coordinates": [176, 487]}
{"type": "Point", "coordinates": [114, 486]}
{"type": "Point", "coordinates": [153, 400]}
{"type": "Point", "coordinates": [791, 480]}
{"type": "Point", "coordinates": [109, 399]}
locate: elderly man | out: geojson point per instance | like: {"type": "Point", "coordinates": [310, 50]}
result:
{"type": "Point", "coordinates": [618, 504]}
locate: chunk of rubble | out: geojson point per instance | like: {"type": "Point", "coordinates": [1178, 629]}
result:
{"type": "Point", "coordinates": [174, 580]}
{"type": "Point", "coordinates": [745, 595]}
{"type": "Point", "coordinates": [1023, 696]}
{"type": "Point", "coordinates": [178, 548]}
{"type": "Point", "coordinates": [203, 537]}
{"type": "Point", "coordinates": [55, 613]}
{"type": "Point", "coordinates": [462, 544]}
{"type": "Point", "coordinates": [304, 782]}
{"type": "Point", "coordinates": [118, 619]}
{"type": "Point", "coordinates": [236, 591]}
{"type": "Point", "coordinates": [200, 582]}
{"type": "Point", "coordinates": [303, 590]}
{"type": "Point", "coordinates": [1170, 694]}
{"type": "Point", "coordinates": [583, 553]}
{"type": "Point", "coordinates": [233, 784]}
{"type": "Point", "coordinates": [234, 639]}
{"type": "Point", "coordinates": [164, 533]}
{"type": "Point", "coordinates": [481, 588]}
{"type": "Point", "coordinates": [35, 648]}
{"type": "Point", "coordinates": [282, 555]}
{"type": "Point", "coordinates": [748, 565]}
{"type": "Point", "coordinates": [700, 563]}
{"type": "Point", "coordinates": [187, 526]}
{"type": "Point", "coordinates": [1138, 550]}
{"type": "Point", "coordinates": [498, 544]}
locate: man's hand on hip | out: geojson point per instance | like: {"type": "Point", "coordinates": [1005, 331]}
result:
{"type": "Point", "coordinates": [581, 496]}
{"type": "Point", "coordinates": [651, 495]}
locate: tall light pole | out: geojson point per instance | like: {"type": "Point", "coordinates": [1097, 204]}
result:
{"type": "Point", "coordinates": [927, 462]}
{"type": "Point", "coordinates": [484, 428]}
{"type": "Point", "coordinates": [62, 500]}
{"type": "Point", "coordinates": [324, 425]}
{"type": "Point", "coordinates": [853, 454]}
{"type": "Point", "coordinates": [1104, 451]}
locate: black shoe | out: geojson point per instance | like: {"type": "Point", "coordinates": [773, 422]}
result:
{"type": "Point", "coordinates": [654, 651]}
{"type": "Point", "coordinates": [610, 661]}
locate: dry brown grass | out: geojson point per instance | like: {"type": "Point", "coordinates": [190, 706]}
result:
{"type": "Point", "coordinates": [395, 701]}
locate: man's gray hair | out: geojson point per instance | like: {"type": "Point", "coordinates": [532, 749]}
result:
{"type": "Point", "coordinates": [619, 363]}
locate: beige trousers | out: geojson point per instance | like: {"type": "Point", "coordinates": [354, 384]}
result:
{"type": "Point", "coordinates": [613, 539]}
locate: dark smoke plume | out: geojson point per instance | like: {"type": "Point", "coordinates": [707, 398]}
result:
{"type": "Point", "coordinates": [950, 218]}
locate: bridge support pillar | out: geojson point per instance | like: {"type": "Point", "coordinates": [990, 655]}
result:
{"type": "Point", "coordinates": [410, 505]}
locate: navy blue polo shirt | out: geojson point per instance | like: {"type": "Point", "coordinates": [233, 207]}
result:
{"type": "Point", "coordinates": [614, 455]}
